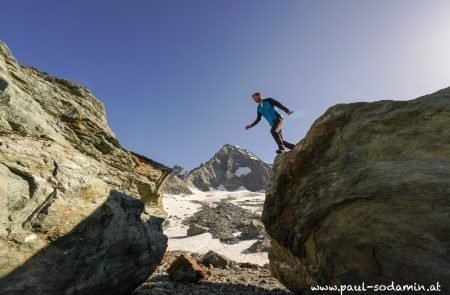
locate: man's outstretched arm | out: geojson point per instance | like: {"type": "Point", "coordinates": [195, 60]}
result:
{"type": "Point", "coordinates": [277, 104]}
{"type": "Point", "coordinates": [258, 118]}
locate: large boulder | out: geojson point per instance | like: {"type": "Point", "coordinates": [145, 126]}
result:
{"type": "Point", "coordinates": [365, 197]}
{"type": "Point", "coordinates": [217, 260]}
{"type": "Point", "coordinates": [195, 229]}
{"type": "Point", "coordinates": [223, 220]}
{"type": "Point", "coordinates": [254, 230]}
{"type": "Point", "coordinates": [185, 269]}
{"type": "Point", "coordinates": [260, 246]}
{"type": "Point", "coordinates": [78, 213]}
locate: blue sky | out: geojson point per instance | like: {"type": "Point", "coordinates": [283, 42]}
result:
{"type": "Point", "coordinates": [176, 76]}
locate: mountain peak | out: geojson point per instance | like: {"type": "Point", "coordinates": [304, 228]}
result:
{"type": "Point", "coordinates": [232, 146]}
{"type": "Point", "coordinates": [231, 168]}
{"type": "Point", "coordinates": [237, 149]}
{"type": "Point", "coordinates": [179, 171]}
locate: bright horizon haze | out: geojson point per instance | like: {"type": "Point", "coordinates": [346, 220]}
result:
{"type": "Point", "coordinates": [176, 77]}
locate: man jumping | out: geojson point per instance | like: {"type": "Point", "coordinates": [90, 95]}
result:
{"type": "Point", "coordinates": [266, 108]}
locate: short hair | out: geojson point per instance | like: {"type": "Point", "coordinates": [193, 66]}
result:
{"type": "Point", "coordinates": [256, 94]}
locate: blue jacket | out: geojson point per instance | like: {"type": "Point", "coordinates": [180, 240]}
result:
{"type": "Point", "coordinates": [267, 109]}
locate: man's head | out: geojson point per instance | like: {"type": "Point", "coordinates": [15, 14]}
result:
{"type": "Point", "coordinates": [257, 97]}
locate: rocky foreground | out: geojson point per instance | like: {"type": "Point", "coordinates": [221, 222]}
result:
{"type": "Point", "coordinates": [237, 278]}
{"type": "Point", "coordinates": [225, 222]}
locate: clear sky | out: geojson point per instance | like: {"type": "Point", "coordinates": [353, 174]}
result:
{"type": "Point", "coordinates": [176, 76]}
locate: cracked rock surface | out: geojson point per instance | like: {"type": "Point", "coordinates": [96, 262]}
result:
{"type": "Point", "coordinates": [365, 197]}
{"type": "Point", "coordinates": [79, 214]}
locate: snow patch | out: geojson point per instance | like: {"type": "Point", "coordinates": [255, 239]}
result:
{"type": "Point", "coordinates": [242, 171]}
{"type": "Point", "coordinates": [241, 188]}
{"type": "Point", "coordinates": [221, 188]}
{"type": "Point", "coordinates": [204, 242]}
{"type": "Point", "coordinates": [180, 207]}
{"type": "Point", "coordinates": [246, 152]}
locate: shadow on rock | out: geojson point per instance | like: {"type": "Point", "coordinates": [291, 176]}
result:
{"type": "Point", "coordinates": [110, 252]}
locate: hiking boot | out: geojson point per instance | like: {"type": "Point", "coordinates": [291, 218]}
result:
{"type": "Point", "coordinates": [281, 149]}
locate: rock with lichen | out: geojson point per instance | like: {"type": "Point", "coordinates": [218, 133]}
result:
{"type": "Point", "coordinates": [79, 214]}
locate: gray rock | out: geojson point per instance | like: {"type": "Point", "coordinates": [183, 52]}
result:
{"type": "Point", "coordinates": [254, 229]}
{"type": "Point", "coordinates": [79, 214]}
{"type": "Point", "coordinates": [195, 229]}
{"type": "Point", "coordinates": [217, 260]}
{"type": "Point", "coordinates": [176, 183]}
{"type": "Point", "coordinates": [175, 186]}
{"type": "Point", "coordinates": [222, 220]}
{"type": "Point", "coordinates": [260, 246]}
{"type": "Point", "coordinates": [364, 197]}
